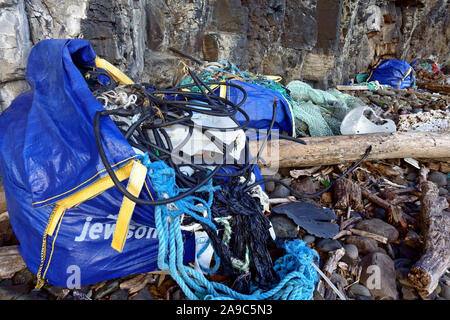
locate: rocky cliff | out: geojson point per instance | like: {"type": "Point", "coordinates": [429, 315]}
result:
{"type": "Point", "coordinates": [323, 42]}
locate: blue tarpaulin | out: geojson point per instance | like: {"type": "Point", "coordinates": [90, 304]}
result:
{"type": "Point", "coordinates": [258, 106]}
{"type": "Point", "coordinates": [48, 152]}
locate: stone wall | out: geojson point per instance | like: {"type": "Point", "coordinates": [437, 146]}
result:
{"type": "Point", "coordinates": [324, 42]}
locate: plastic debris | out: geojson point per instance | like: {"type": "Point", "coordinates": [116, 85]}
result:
{"type": "Point", "coordinates": [363, 120]}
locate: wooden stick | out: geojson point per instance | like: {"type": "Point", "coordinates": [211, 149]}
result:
{"type": "Point", "coordinates": [375, 199]}
{"type": "Point", "coordinates": [425, 273]}
{"type": "Point", "coordinates": [395, 213]}
{"type": "Point", "coordinates": [349, 222]}
{"type": "Point", "coordinates": [369, 235]}
{"type": "Point", "coordinates": [347, 194]}
{"type": "Point", "coordinates": [351, 88]}
{"type": "Point", "coordinates": [282, 200]}
{"type": "Point", "coordinates": [330, 266]}
{"type": "Point", "coordinates": [341, 234]}
{"type": "Point", "coordinates": [405, 190]}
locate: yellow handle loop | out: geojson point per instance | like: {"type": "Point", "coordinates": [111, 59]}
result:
{"type": "Point", "coordinates": [118, 75]}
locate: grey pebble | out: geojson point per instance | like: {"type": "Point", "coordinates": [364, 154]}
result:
{"type": "Point", "coordinates": [119, 295]}
{"type": "Point", "coordinates": [284, 227]}
{"type": "Point", "coordinates": [327, 245]}
{"type": "Point", "coordinates": [445, 291]}
{"type": "Point", "coordinates": [269, 186]}
{"type": "Point", "coordinates": [439, 178]}
{"type": "Point", "coordinates": [281, 191]}
{"type": "Point", "coordinates": [338, 280]}
{"type": "Point", "coordinates": [402, 262]}
{"type": "Point", "coordinates": [309, 238]}
{"type": "Point", "coordinates": [351, 251]}
{"type": "Point", "coordinates": [359, 290]}
{"type": "Point", "coordinates": [443, 191]}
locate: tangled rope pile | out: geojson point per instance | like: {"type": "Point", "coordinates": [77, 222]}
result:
{"type": "Point", "coordinates": [298, 276]}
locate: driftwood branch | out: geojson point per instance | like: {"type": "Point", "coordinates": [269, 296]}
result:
{"type": "Point", "coordinates": [426, 272]}
{"type": "Point", "coordinates": [395, 213]}
{"type": "Point", "coordinates": [347, 148]}
{"type": "Point", "coordinates": [349, 222]}
{"type": "Point", "coordinates": [330, 266]}
{"type": "Point", "coordinates": [435, 87]}
{"type": "Point", "coordinates": [274, 201]}
{"type": "Point", "coordinates": [137, 283]}
{"type": "Point", "coordinates": [369, 235]}
{"type": "Point", "coordinates": [341, 234]}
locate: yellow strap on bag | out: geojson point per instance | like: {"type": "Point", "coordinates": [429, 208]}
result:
{"type": "Point", "coordinates": [407, 74]}
{"type": "Point", "coordinates": [74, 200]}
{"type": "Point", "coordinates": [135, 184]}
{"type": "Point", "coordinates": [223, 91]}
{"type": "Point", "coordinates": [118, 75]}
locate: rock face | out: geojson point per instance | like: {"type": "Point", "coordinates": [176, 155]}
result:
{"type": "Point", "coordinates": [15, 45]}
{"type": "Point", "coordinates": [323, 42]}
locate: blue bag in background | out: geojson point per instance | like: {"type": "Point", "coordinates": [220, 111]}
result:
{"type": "Point", "coordinates": [395, 73]}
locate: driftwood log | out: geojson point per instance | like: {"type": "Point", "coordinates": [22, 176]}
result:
{"type": "Point", "coordinates": [435, 87]}
{"type": "Point", "coordinates": [426, 272]}
{"type": "Point", "coordinates": [347, 148]}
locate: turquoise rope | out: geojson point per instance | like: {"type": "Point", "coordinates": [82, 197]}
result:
{"type": "Point", "coordinates": [298, 276]}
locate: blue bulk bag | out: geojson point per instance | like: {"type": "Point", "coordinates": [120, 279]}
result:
{"type": "Point", "coordinates": [258, 106]}
{"type": "Point", "coordinates": [61, 203]}
{"type": "Point", "coordinates": [395, 73]}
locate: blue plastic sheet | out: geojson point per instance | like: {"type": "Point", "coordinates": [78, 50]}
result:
{"type": "Point", "coordinates": [395, 73]}
{"type": "Point", "coordinates": [258, 106]}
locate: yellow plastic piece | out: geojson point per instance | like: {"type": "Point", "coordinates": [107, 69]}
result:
{"type": "Point", "coordinates": [135, 184]}
{"type": "Point", "coordinates": [89, 192]}
{"type": "Point", "coordinates": [118, 75]}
